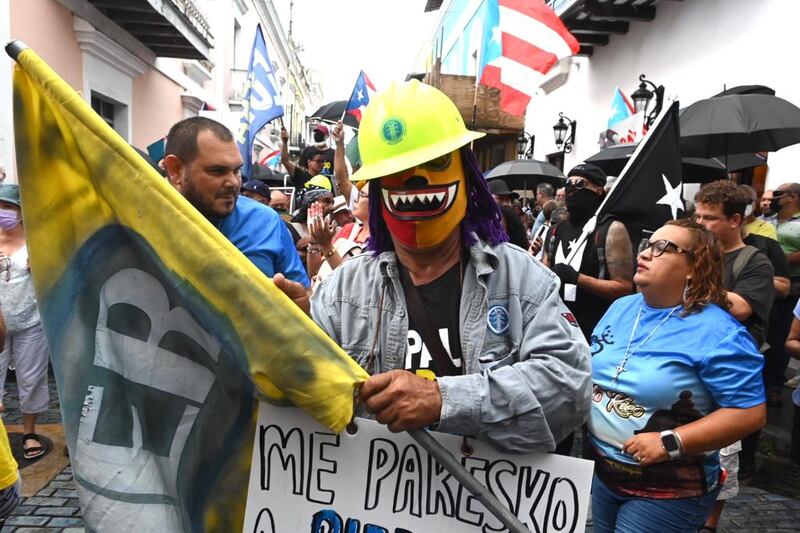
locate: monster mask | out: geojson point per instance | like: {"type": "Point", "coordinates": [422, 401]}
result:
{"type": "Point", "coordinates": [424, 204]}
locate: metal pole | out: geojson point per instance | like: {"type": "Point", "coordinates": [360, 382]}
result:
{"type": "Point", "coordinates": [489, 500]}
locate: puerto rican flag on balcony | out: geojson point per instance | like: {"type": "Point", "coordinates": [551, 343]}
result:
{"type": "Point", "coordinates": [522, 41]}
{"type": "Point", "coordinates": [360, 96]}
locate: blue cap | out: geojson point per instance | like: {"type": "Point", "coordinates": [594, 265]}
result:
{"type": "Point", "coordinates": [9, 192]}
{"type": "Point", "coordinates": [257, 186]}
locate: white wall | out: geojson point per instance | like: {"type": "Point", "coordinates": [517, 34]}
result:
{"type": "Point", "coordinates": [692, 48]}
{"type": "Point", "coordinates": [6, 114]}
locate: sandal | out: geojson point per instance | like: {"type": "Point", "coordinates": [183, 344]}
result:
{"type": "Point", "coordinates": [33, 452]}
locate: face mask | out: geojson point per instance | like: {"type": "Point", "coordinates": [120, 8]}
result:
{"type": "Point", "coordinates": [582, 204]}
{"type": "Point", "coordinates": [423, 205]}
{"type": "Point", "coordinates": [748, 210]}
{"type": "Point", "coordinates": [9, 219]}
{"type": "Point", "coordinates": [775, 205]}
{"type": "Point", "coordinates": [319, 137]}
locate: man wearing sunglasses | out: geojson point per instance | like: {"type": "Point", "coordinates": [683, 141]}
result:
{"type": "Point", "coordinates": [603, 271]}
{"type": "Point", "coordinates": [298, 174]}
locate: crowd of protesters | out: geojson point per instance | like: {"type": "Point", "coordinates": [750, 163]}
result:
{"type": "Point", "coordinates": [662, 348]}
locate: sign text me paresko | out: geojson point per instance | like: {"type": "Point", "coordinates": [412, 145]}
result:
{"type": "Point", "coordinates": [305, 478]}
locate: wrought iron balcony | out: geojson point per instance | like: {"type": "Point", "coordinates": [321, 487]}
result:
{"type": "Point", "coordinates": [170, 28]}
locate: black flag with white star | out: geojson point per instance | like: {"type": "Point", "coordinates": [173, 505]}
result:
{"type": "Point", "coordinates": [649, 191]}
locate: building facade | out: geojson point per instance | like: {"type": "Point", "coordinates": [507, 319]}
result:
{"type": "Point", "coordinates": [144, 65]}
{"type": "Point", "coordinates": [695, 49]}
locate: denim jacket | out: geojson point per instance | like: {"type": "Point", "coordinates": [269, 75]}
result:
{"type": "Point", "coordinates": [527, 381]}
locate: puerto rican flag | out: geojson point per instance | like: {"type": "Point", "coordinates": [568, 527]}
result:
{"type": "Point", "coordinates": [360, 96]}
{"type": "Point", "coordinates": [271, 160]}
{"type": "Point", "coordinates": [522, 41]}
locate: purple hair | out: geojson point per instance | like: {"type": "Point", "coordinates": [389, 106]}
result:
{"type": "Point", "coordinates": [483, 214]}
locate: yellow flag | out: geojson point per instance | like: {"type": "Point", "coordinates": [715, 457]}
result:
{"type": "Point", "coordinates": [162, 334]}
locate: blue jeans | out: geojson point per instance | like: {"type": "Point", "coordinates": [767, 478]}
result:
{"type": "Point", "coordinates": [613, 513]}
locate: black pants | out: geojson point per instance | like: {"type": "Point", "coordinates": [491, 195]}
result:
{"type": "Point", "coordinates": [776, 359]}
{"type": "Point", "coordinates": [796, 435]}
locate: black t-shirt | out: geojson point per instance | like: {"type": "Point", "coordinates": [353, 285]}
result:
{"type": "Point", "coordinates": [587, 307]}
{"type": "Point", "coordinates": [755, 285]}
{"type": "Point", "coordinates": [442, 301]}
{"type": "Point", "coordinates": [310, 151]}
{"type": "Point", "coordinates": [773, 251]}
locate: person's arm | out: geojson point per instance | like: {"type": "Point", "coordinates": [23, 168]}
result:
{"type": "Point", "coordinates": [712, 432]}
{"type": "Point", "coordinates": [793, 340]}
{"type": "Point", "coordinates": [740, 309]}
{"type": "Point", "coordinates": [781, 285]}
{"type": "Point", "coordinates": [753, 292]}
{"type": "Point", "coordinates": [619, 261]}
{"type": "Point", "coordinates": [539, 398]}
{"type": "Point", "coordinates": [287, 164]}
{"type": "Point", "coordinates": [793, 258]}
{"type": "Point", "coordinates": [339, 164]}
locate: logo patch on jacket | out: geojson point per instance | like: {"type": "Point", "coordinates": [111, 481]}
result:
{"type": "Point", "coordinates": [497, 318]}
{"type": "Point", "coordinates": [569, 317]}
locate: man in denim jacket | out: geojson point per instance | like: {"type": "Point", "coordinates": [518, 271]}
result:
{"type": "Point", "coordinates": [460, 329]}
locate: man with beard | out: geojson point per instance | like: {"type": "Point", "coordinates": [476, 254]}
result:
{"type": "Point", "coordinates": [203, 164]}
{"type": "Point", "coordinates": [458, 328]}
{"type": "Point", "coordinates": [603, 270]}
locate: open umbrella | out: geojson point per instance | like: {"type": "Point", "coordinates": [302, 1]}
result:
{"type": "Point", "coordinates": [524, 174]}
{"type": "Point", "coordinates": [332, 112]}
{"type": "Point", "coordinates": [693, 169]}
{"type": "Point", "coordinates": [738, 124]}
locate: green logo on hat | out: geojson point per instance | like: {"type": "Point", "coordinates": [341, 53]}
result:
{"type": "Point", "coordinates": [393, 131]}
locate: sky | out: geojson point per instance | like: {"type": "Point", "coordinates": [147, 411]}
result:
{"type": "Point", "coordinates": [341, 37]}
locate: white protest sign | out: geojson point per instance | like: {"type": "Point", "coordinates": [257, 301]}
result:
{"type": "Point", "coordinates": [304, 478]}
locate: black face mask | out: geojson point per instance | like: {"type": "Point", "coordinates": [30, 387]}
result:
{"type": "Point", "coordinates": [318, 137]}
{"type": "Point", "coordinates": [774, 206]}
{"type": "Point", "coordinates": [582, 204]}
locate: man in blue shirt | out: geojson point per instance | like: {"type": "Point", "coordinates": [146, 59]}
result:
{"type": "Point", "coordinates": [203, 164]}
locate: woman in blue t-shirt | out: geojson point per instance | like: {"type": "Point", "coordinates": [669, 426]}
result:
{"type": "Point", "coordinates": [675, 379]}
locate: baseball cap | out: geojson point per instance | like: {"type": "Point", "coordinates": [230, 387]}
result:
{"type": "Point", "coordinates": [9, 192]}
{"type": "Point", "coordinates": [257, 187]}
{"type": "Point", "coordinates": [592, 173]}
{"type": "Point", "coordinates": [499, 187]}
{"type": "Point", "coordinates": [321, 128]}
{"type": "Point", "coordinates": [339, 204]}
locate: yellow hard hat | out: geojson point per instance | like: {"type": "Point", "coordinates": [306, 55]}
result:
{"type": "Point", "coordinates": [406, 125]}
{"type": "Point", "coordinates": [320, 181]}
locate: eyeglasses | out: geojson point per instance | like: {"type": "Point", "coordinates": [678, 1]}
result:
{"type": "Point", "coordinates": [658, 247]}
{"type": "Point", "coordinates": [318, 160]}
{"type": "Point", "coordinates": [576, 184]}
{"type": "Point", "coordinates": [778, 194]}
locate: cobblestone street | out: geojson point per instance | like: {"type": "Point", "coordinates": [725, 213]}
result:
{"type": "Point", "coordinates": [55, 508]}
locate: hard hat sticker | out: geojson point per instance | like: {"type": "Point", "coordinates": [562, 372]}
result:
{"type": "Point", "coordinates": [393, 130]}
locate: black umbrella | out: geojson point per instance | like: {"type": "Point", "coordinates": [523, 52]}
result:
{"type": "Point", "coordinates": [738, 124]}
{"type": "Point", "coordinates": [747, 89]}
{"type": "Point", "coordinates": [524, 174]}
{"type": "Point", "coordinates": [693, 169]}
{"type": "Point", "coordinates": [332, 112]}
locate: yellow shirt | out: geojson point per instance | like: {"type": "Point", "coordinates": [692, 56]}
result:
{"type": "Point", "coordinates": [8, 466]}
{"type": "Point", "coordinates": [762, 227]}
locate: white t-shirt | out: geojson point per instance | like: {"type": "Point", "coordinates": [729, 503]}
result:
{"type": "Point", "coordinates": [17, 297]}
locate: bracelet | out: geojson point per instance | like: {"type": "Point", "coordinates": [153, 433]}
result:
{"type": "Point", "coordinates": [313, 250]}
{"type": "Point", "coordinates": [330, 252]}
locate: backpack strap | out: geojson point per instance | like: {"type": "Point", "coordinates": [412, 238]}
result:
{"type": "Point", "coordinates": [600, 234]}
{"type": "Point", "coordinates": [741, 261]}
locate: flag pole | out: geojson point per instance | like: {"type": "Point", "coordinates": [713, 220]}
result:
{"type": "Point", "coordinates": [590, 225]}
{"type": "Point", "coordinates": [468, 481]}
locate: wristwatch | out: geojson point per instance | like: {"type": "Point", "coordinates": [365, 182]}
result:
{"type": "Point", "coordinates": [671, 442]}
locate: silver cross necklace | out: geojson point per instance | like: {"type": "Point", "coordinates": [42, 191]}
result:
{"type": "Point", "coordinates": [628, 352]}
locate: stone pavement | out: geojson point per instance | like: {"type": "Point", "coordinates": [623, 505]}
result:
{"type": "Point", "coordinates": [55, 508]}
